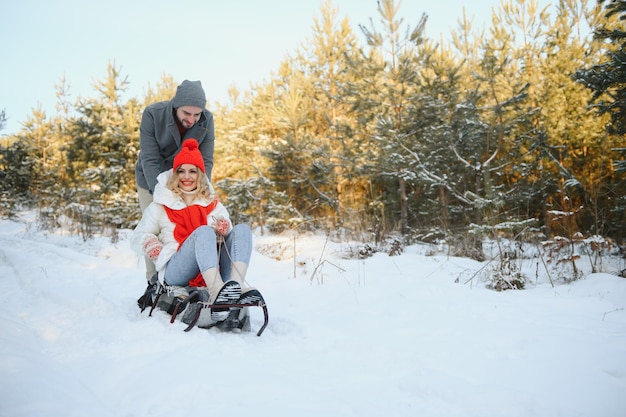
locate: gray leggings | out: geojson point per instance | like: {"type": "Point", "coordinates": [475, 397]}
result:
{"type": "Point", "coordinates": [199, 252]}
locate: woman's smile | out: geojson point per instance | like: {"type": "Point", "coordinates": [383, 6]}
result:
{"type": "Point", "coordinates": [187, 177]}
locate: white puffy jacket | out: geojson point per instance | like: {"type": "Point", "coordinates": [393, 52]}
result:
{"type": "Point", "coordinates": [154, 221]}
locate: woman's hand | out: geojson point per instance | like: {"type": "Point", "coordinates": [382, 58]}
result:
{"type": "Point", "coordinates": [221, 227]}
{"type": "Point", "coordinates": [152, 247]}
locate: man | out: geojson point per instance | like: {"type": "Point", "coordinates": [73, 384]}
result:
{"type": "Point", "coordinates": [164, 127]}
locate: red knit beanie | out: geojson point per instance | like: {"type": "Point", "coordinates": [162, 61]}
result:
{"type": "Point", "coordinates": [189, 154]}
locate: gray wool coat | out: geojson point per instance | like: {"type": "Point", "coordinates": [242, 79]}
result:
{"type": "Point", "coordinates": [160, 141]}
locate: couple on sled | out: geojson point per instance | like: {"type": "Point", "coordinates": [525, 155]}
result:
{"type": "Point", "coordinates": [200, 258]}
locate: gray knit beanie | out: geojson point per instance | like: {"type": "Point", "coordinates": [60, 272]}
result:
{"type": "Point", "coordinates": [189, 93]}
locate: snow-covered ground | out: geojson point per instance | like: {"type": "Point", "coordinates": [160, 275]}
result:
{"type": "Point", "coordinates": [384, 336]}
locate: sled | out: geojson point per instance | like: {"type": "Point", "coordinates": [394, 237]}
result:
{"type": "Point", "coordinates": [203, 305]}
{"type": "Point", "coordinates": [157, 290]}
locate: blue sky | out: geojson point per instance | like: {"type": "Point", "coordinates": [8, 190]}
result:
{"type": "Point", "coordinates": [221, 43]}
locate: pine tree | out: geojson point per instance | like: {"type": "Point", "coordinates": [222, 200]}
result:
{"type": "Point", "coordinates": [472, 122]}
{"type": "Point", "coordinates": [323, 58]}
{"type": "Point", "coordinates": [606, 80]}
{"type": "Point", "coordinates": [381, 99]}
{"type": "Point", "coordinates": [572, 154]}
{"type": "Point", "coordinates": [101, 157]}
{"type": "Point", "coordinates": [299, 123]}
{"type": "Point", "coordinates": [18, 170]}
{"type": "Point", "coordinates": [38, 140]}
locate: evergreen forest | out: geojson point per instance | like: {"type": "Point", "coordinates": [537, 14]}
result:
{"type": "Point", "coordinates": [374, 132]}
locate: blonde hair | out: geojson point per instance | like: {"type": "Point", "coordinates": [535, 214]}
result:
{"type": "Point", "coordinates": [204, 190]}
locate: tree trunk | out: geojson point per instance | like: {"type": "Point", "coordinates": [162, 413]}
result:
{"type": "Point", "coordinates": [404, 215]}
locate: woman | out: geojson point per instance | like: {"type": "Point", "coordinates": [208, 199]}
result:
{"type": "Point", "coordinates": [181, 229]}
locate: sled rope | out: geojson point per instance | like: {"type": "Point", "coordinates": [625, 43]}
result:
{"type": "Point", "coordinates": [231, 262]}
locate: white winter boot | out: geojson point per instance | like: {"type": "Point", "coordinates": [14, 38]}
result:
{"type": "Point", "coordinates": [220, 293]}
{"type": "Point", "coordinates": [248, 294]}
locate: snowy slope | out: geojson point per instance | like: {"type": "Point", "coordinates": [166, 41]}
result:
{"type": "Point", "coordinates": [392, 336]}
